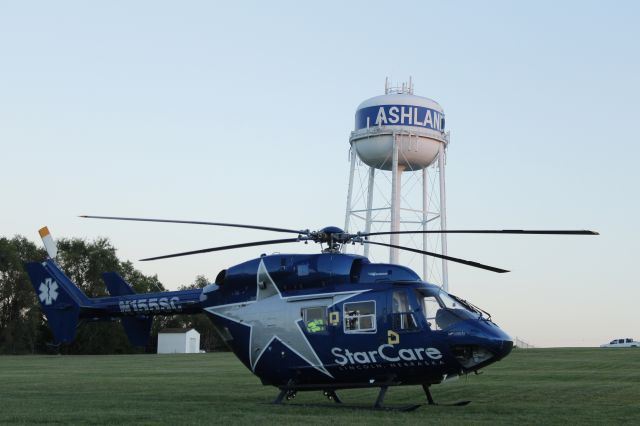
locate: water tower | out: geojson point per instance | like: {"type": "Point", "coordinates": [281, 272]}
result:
{"type": "Point", "coordinates": [400, 134]}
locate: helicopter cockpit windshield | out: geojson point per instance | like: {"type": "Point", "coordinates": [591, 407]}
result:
{"type": "Point", "coordinates": [442, 310]}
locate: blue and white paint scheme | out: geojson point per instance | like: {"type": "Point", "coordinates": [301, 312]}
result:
{"type": "Point", "coordinates": [303, 321]}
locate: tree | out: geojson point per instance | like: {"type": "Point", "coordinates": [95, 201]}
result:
{"type": "Point", "coordinates": [21, 325]}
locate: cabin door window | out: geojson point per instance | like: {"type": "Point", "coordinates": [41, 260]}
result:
{"type": "Point", "coordinates": [315, 319]}
{"type": "Point", "coordinates": [402, 317]}
{"type": "Point", "coordinates": [360, 317]}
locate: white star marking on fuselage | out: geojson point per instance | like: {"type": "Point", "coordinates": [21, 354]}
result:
{"type": "Point", "coordinates": [272, 316]}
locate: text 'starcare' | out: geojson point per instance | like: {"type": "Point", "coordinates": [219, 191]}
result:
{"type": "Point", "coordinates": [384, 353]}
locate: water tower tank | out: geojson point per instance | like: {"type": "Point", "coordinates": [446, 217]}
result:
{"type": "Point", "coordinates": [416, 122]}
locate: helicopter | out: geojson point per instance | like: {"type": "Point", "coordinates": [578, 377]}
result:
{"type": "Point", "coordinates": [306, 322]}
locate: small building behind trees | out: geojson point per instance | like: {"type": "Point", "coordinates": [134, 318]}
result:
{"type": "Point", "coordinates": [178, 341]}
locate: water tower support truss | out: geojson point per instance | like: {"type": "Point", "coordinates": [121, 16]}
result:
{"type": "Point", "coordinates": [400, 199]}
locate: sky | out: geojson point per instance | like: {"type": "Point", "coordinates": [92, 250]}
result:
{"type": "Point", "coordinates": [241, 112]}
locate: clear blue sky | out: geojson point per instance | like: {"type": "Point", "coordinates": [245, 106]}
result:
{"type": "Point", "coordinates": [242, 111]}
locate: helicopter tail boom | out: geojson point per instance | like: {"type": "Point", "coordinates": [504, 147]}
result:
{"type": "Point", "coordinates": [65, 304]}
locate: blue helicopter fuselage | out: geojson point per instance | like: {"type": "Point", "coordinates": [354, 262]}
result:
{"type": "Point", "coordinates": [327, 319]}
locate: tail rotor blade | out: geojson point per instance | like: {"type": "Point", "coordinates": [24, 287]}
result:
{"type": "Point", "coordinates": [48, 241]}
{"type": "Point", "coordinates": [441, 256]}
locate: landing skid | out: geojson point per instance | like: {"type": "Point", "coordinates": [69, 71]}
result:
{"type": "Point", "coordinates": [288, 394]}
{"type": "Point", "coordinates": [400, 408]}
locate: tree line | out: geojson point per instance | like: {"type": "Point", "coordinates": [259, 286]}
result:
{"type": "Point", "coordinates": [23, 327]}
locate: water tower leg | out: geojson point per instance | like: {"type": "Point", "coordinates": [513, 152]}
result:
{"type": "Point", "coordinates": [347, 216]}
{"type": "Point", "coordinates": [425, 216]}
{"type": "Point", "coordinates": [367, 224]}
{"type": "Point", "coordinates": [396, 174]}
{"type": "Point", "coordinates": [443, 215]}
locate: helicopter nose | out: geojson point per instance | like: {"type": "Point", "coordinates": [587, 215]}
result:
{"type": "Point", "coordinates": [479, 344]}
{"type": "Point", "coordinates": [504, 349]}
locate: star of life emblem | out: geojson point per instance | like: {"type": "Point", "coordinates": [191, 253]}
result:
{"type": "Point", "coordinates": [48, 291]}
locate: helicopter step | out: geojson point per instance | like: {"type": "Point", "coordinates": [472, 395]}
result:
{"type": "Point", "coordinates": [289, 394]}
{"type": "Point", "coordinates": [332, 396]}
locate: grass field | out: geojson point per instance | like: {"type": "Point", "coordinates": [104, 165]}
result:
{"type": "Point", "coordinates": [542, 386]}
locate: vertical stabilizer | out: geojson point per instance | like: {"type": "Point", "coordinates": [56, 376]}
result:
{"type": "Point", "coordinates": [60, 299]}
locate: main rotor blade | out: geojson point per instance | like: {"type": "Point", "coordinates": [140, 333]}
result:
{"type": "Point", "coordinates": [197, 222]}
{"type": "Point", "coordinates": [233, 246]}
{"type": "Point", "coordinates": [441, 256]}
{"type": "Point", "coordinates": [487, 231]}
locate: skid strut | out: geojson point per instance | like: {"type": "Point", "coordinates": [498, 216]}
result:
{"type": "Point", "coordinates": [332, 396]}
{"type": "Point", "coordinates": [380, 398]}
{"type": "Point", "coordinates": [430, 400]}
{"type": "Point", "coordinates": [428, 393]}
{"type": "Point", "coordinates": [287, 392]}
{"type": "Point", "coordinates": [280, 397]}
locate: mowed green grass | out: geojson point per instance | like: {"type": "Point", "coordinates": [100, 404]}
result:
{"type": "Point", "coordinates": [535, 386]}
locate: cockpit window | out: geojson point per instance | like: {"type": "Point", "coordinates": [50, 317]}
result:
{"type": "Point", "coordinates": [442, 310]}
{"type": "Point", "coordinates": [448, 301]}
